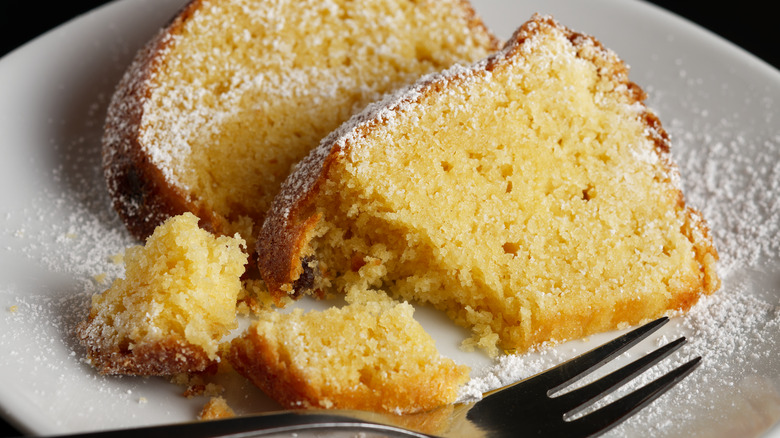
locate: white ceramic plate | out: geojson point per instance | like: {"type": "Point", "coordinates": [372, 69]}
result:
{"type": "Point", "coordinates": [58, 231]}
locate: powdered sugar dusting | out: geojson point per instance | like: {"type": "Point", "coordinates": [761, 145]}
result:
{"type": "Point", "coordinates": [740, 173]}
{"type": "Point", "coordinates": [63, 246]}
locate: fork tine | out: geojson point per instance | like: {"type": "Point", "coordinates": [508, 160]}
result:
{"type": "Point", "coordinates": [571, 370]}
{"type": "Point", "coordinates": [610, 415]}
{"type": "Point", "coordinates": [581, 396]}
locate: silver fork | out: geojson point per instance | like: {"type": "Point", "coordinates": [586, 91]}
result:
{"type": "Point", "coordinates": [530, 407]}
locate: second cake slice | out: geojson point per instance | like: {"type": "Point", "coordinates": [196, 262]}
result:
{"type": "Point", "coordinates": [532, 197]}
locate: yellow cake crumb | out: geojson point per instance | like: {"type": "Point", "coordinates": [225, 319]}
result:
{"type": "Point", "coordinates": [100, 278]}
{"type": "Point", "coordinates": [177, 300]}
{"type": "Point", "coordinates": [254, 297]}
{"type": "Point", "coordinates": [118, 258]}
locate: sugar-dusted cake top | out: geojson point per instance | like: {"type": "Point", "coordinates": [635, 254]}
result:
{"type": "Point", "coordinates": [215, 110]}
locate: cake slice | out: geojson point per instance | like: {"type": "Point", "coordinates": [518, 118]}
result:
{"type": "Point", "coordinates": [531, 196]}
{"type": "Point", "coordinates": [216, 108]}
{"type": "Point", "coordinates": [368, 355]}
{"type": "Point", "coordinates": [177, 300]}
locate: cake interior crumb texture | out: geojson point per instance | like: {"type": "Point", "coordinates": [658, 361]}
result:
{"type": "Point", "coordinates": [532, 197]}
{"type": "Point", "coordinates": [370, 354]}
{"type": "Point", "coordinates": [175, 303]}
{"type": "Point", "coordinates": [246, 88]}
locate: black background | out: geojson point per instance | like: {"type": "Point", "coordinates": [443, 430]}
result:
{"type": "Point", "coordinates": [748, 24]}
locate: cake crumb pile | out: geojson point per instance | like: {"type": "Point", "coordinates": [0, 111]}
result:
{"type": "Point", "coordinates": [369, 355]}
{"type": "Point", "coordinates": [175, 303]}
{"type": "Point", "coordinates": [216, 408]}
{"type": "Point", "coordinates": [531, 197]}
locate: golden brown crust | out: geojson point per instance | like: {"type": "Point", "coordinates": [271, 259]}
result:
{"type": "Point", "coordinates": [478, 26]}
{"type": "Point", "coordinates": [168, 356]}
{"type": "Point", "coordinates": [271, 373]}
{"type": "Point", "coordinates": [281, 253]}
{"type": "Point", "coordinates": [141, 195]}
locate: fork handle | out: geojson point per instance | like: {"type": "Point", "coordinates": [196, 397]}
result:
{"type": "Point", "coordinates": [278, 423]}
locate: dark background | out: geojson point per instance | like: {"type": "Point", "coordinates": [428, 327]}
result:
{"type": "Point", "coordinates": [748, 24]}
